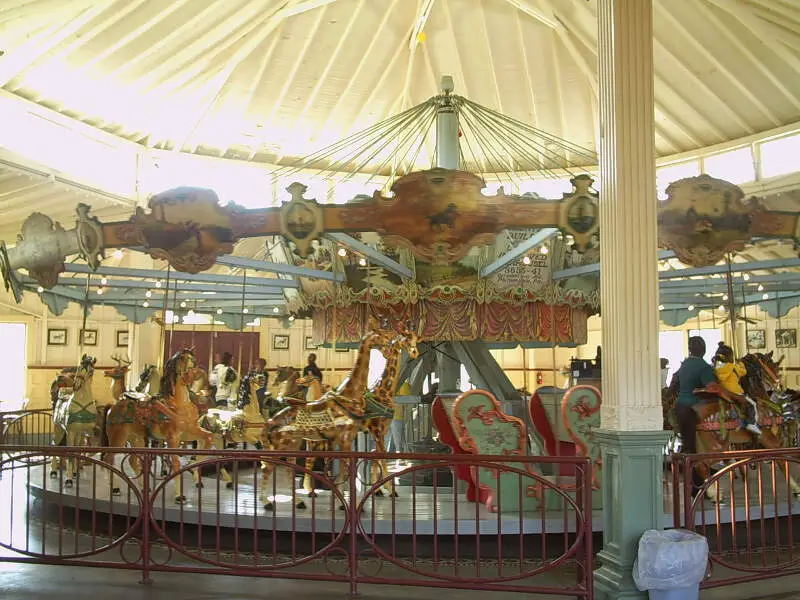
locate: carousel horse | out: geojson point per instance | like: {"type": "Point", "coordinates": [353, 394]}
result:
{"type": "Point", "coordinates": [75, 417]}
{"type": "Point", "coordinates": [243, 425]}
{"type": "Point", "coordinates": [199, 391]}
{"type": "Point", "coordinates": [62, 385]}
{"type": "Point", "coordinates": [382, 400]}
{"type": "Point", "coordinates": [149, 381]}
{"type": "Point", "coordinates": [718, 420]}
{"type": "Point", "coordinates": [329, 420]}
{"type": "Point", "coordinates": [171, 417]}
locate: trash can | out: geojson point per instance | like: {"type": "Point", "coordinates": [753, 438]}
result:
{"type": "Point", "coordinates": [671, 564]}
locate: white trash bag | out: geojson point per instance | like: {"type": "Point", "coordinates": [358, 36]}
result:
{"type": "Point", "coordinates": [670, 560]}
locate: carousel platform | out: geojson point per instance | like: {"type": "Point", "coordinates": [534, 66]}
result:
{"type": "Point", "coordinates": [420, 511]}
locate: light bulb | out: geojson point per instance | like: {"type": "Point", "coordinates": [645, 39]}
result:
{"type": "Point", "coordinates": [183, 304]}
{"type": "Point", "coordinates": [526, 260]}
{"type": "Point", "coordinates": [291, 317]}
{"type": "Point", "coordinates": [765, 297]}
{"type": "Point", "coordinates": [276, 310]}
{"type": "Point", "coordinates": [362, 262]}
{"type": "Point", "coordinates": [245, 310]}
{"type": "Point", "coordinates": [544, 249]}
{"type": "Point", "coordinates": [99, 291]}
{"type": "Point", "coordinates": [158, 284]}
{"type": "Point", "coordinates": [746, 276]}
{"type": "Point", "coordinates": [760, 288]}
{"type": "Point", "coordinates": [691, 307]}
{"type": "Point", "coordinates": [660, 307]}
{"type": "Point", "coordinates": [148, 294]}
{"type": "Point", "coordinates": [722, 308]}
{"type": "Point", "coordinates": [145, 304]}
{"type": "Point", "coordinates": [725, 297]}
{"type": "Point", "coordinates": [117, 254]}
{"type": "Point", "coordinates": [40, 289]}
{"type": "Point", "coordinates": [219, 311]}
{"type": "Point", "coordinates": [103, 281]}
{"type": "Point", "coordinates": [342, 252]}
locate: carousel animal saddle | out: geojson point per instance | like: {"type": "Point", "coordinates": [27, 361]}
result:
{"type": "Point", "coordinates": [136, 407]}
{"type": "Point", "coordinates": [714, 392]}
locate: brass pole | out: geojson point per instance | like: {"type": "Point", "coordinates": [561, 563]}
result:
{"type": "Point", "coordinates": [163, 344]}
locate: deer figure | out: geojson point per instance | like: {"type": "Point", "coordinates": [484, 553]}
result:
{"type": "Point", "coordinates": [118, 375]}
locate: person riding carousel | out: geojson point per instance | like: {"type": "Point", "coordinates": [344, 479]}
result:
{"type": "Point", "coordinates": [729, 372]}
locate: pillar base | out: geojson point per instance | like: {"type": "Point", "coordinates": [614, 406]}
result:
{"type": "Point", "coordinates": [633, 502]}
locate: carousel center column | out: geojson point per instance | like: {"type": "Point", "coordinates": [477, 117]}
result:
{"type": "Point", "coordinates": [631, 437]}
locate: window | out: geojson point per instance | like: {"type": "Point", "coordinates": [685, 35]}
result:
{"type": "Point", "coordinates": [781, 156]}
{"type": "Point", "coordinates": [672, 346]}
{"type": "Point", "coordinates": [14, 367]}
{"type": "Point", "coordinates": [735, 166]}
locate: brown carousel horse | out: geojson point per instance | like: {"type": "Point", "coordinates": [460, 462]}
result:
{"type": "Point", "coordinates": [172, 417]}
{"type": "Point", "coordinates": [328, 419]}
{"type": "Point", "coordinates": [718, 416]}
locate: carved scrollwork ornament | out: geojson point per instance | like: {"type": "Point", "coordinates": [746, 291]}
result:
{"type": "Point", "coordinates": [89, 233]}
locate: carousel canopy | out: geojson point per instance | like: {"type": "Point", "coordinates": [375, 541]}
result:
{"type": "Point", "coordinates": [108, 102]}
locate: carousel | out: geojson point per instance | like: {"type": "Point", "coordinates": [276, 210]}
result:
{"type": "Point", "coordinates": [433, 273]}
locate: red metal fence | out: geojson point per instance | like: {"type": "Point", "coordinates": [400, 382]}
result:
{"type": "Point", "coordinates": [121, 512]}
{"type": "Point", "coordinates": [748, 509]}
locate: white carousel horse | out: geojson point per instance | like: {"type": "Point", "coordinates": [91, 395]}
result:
{"type": "Point", "coordinates": [75, 417]}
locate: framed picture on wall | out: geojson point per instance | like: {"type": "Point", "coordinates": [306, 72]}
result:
{"type": "Point", "coordinates": [756, 339]}
{"type": "Point", "coordinates": [89, 337]}
{"type": "Point", "coordinates": [310, 345]}
{"type": "Point", "coordinates": [786, 338]}
{"type": "Point", "coordinates": [280, 342]}
{"type": "Point", "coordinates": [56, 337]}
{"type": "Point", "coordinates": [122, 338]}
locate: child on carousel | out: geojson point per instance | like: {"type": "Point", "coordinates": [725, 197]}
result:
{"type": "Point", "coordinates": [729, 372]}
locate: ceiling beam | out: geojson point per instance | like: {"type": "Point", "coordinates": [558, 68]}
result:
{"type": "Point", "coordinates": [524, 247]}
{"type": "Point", "coordinates": [373, 255]}
{"type": "Point", "coordinates": [138, 284]}
{"type": "Point", "coordinates": [594, 268]}
{"type": "Point", "coordinates": [156, 274]}
{"type": "Point", "coordinates": [270, 267]}
{"type": "Point", "coordinates": [760, 265]}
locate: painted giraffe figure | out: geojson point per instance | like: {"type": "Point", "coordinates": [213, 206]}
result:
{"type": "Point", "coordinates": [384, 394]}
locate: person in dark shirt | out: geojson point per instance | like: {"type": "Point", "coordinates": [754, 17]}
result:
{"type": "Point", "coordinates": [260, 367]}
{"type": "Point", "coordinates": [693, 373]}
{"type": "Point", "coordinates": [311, 368]}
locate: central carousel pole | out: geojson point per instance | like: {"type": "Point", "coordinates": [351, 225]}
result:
{"type": "Point", "coordinates": [447, 157]}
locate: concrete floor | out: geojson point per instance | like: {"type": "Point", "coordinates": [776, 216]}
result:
{"type": "Point", "coordinates": [29, 582]}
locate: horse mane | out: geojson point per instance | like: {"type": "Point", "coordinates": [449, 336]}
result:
{"type": "Point", "coordinates": [170, 376]}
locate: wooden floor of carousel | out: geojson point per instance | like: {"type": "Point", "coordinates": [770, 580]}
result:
{"type": "Point", "coordinates": [419, 510]}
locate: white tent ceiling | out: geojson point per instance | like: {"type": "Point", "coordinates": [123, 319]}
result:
{"type": "Point", "coordinates": [264, 79]}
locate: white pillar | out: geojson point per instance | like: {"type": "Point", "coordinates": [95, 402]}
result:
{"type": "Point", "coordinates": [628, 226]}
{"type": "Point", "coordinates": [631, 438]}
{"type": "Point", "coordinates": [447, 144]}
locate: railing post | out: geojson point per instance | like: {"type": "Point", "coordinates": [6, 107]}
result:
{"type": "Point", "coordinates": [145, 519]}
{"type": "Point", "coordinates": [354, 515]}
{"type": "Point", "coordinates": [588, 539]}
{"type": "Point", "coordinates": [688, 489]}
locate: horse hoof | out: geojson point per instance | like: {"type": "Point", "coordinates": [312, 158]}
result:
{"type": "Point", "coordinates": [312, 494]}
{"type": "Point", "coordinates": [199, 485]}
{"type": "Point", "coordinates": [268, 506]}
{"type": "Point", "coordinates": [301, 505]}
{"type": "Point", "coordinates": [115, 491]}
{"type": "Point", "coordinates": [180, 499]}
{"type": "Point", "coordinates": [379, 493]}
{"type": "Point", "coordinates": [53, 474]}
{"type": "Point", "coordinates": [394, 494]}
{"type": "Point", "coordinates": [229, 485]}
{"type": "Point", "coordinates": [68, 483]}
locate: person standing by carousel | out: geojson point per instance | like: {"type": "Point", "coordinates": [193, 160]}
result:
{"type": "Point", "coordinates": [311, 368]}
{"type": "Point", "coordinates": [226, 380]}
{"type": "Point", "coordinates": [693, 373]}
{"type": "Point", "coordinates": [260, 368]}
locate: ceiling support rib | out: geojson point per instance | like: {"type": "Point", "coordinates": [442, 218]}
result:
{"type": "Point", "coordinates": [269, 267]}
{"type": "Point", "coordinates": [373, 255]}
{"type": "Point", "coordinates": [157, 275]}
